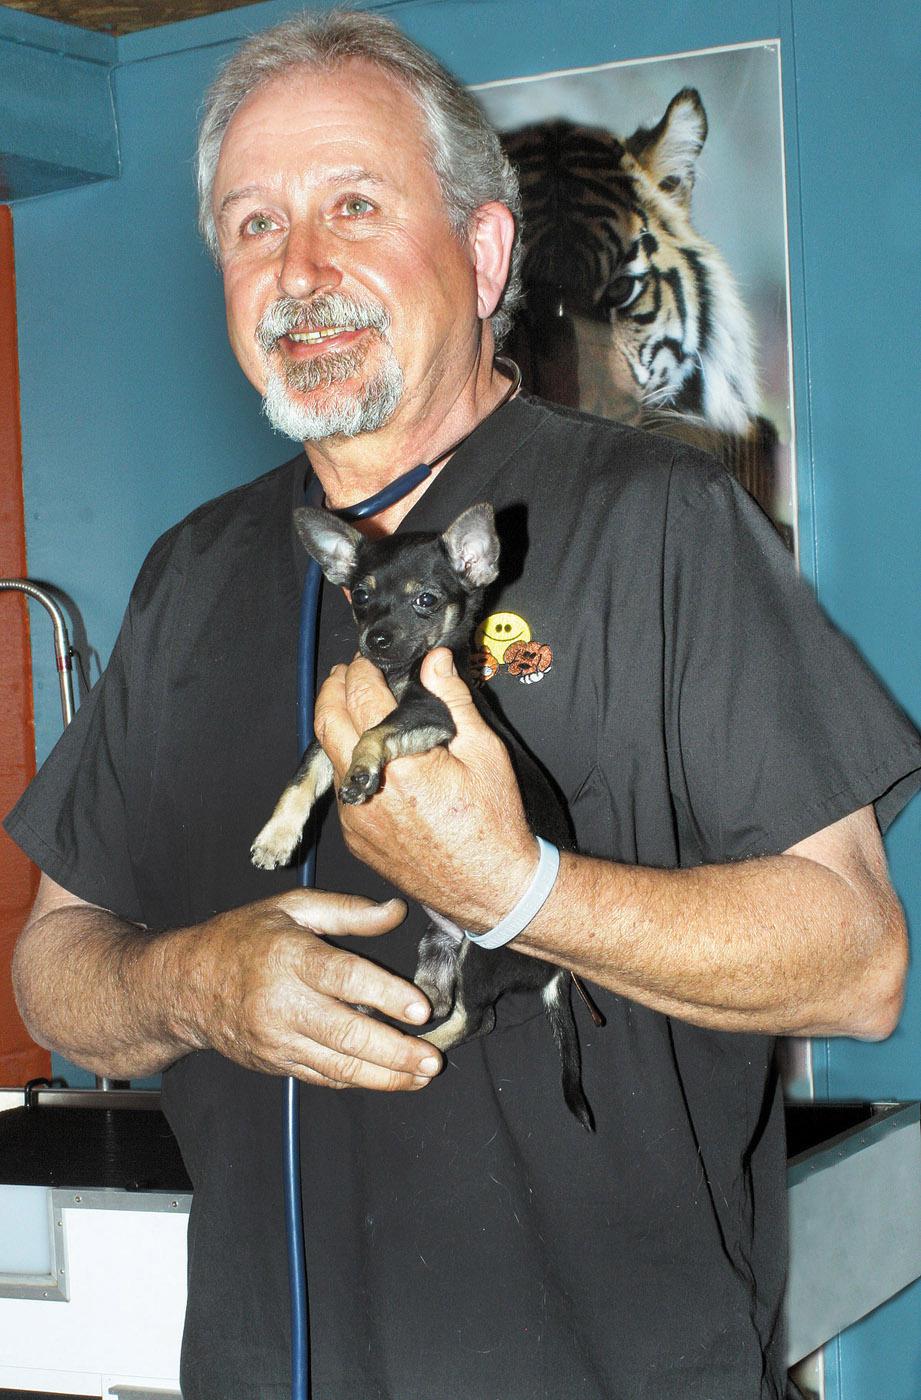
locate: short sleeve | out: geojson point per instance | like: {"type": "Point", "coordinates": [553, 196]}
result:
{"type": "Point", "coordinates": [776, 727]}
{"type": "Point", "coordinates": [83, 816]}
{"type": "Point", "coordinates": [72, 821]}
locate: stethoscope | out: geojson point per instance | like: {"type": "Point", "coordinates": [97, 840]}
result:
{"type": "Point", "coordinates": [393, 492]}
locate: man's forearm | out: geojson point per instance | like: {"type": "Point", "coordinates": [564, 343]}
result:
{"type": "Point", "coordinates": [102, 991]}
{"type": "Point", "coordinates": [808, 942]}
{"type": "Point", "coordinates": [258, 984]}
{"type": "Point", "coordinates": [781, 945]}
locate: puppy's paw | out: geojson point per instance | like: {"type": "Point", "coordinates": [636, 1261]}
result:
{"type": "Point", "coordinates": [359, 784]}
{"type": "Point", "coordinates": [274, 846]}
{"type": "Point", "coordinates": [450, 1033]}
{"type": "Point", "coordinates": [440, 998]}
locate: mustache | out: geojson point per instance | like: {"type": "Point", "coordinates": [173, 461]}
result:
{"type": "Point", "coordinates": [332, 309]}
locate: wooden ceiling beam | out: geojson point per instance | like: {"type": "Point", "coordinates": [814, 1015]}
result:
{"type": "Point", "coordinates": [124, 16]}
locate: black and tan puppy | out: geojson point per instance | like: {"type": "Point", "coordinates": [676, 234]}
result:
{"type": "Point", "coordinates": [410, 593]}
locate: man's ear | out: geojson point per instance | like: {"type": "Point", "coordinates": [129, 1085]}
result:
{"type": "Point", "coordinates": [331, 541]}
{"type": "Point", "coordinates": [473, 546]}
{"type": "Point", "coordinates": [493, 240]}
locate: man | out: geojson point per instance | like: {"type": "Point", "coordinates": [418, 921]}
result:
{"type": "Point", "coordinates": [469, 1239]}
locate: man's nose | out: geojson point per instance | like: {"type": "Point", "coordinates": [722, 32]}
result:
{"type": "Point", "coordinates": [308, 265]}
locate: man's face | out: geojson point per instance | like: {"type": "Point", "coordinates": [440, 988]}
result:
{"type": "Point", "coordinates": [349, 298]}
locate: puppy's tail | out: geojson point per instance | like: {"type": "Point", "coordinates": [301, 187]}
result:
{"type": "Point", "coordinates": [558, 1007]}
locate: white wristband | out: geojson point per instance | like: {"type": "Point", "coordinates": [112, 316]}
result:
{"type": "Point", "coordinates": [533, 899]}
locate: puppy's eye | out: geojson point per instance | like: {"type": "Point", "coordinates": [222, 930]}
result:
{"type": "Point", "coordinates": [360, 596]}
{"type": "Point", "coordinates": [425, 602]}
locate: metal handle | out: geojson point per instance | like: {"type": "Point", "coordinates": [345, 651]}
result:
{"type": "Point", "coordinates": [62, 649]}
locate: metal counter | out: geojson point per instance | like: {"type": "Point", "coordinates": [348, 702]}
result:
{"type": "Point", "coordinates": [95, 1181]}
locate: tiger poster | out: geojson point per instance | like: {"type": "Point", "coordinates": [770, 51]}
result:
{"type": "Point", "coordinates": [654, 252]}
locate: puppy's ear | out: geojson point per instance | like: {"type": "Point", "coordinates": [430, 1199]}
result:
{"type": "Point", "coordinates": [331, 541]}
{"type": "Point", "coordinates": [473, 546]}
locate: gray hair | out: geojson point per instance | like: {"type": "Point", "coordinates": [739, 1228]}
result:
{"type": "Point", "coordinates": [465, 152]}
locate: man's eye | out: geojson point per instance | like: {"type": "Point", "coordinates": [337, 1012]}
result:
{"type": "Point", "coordinates": [259, 223]}
{"type": "Point", "coordinates": [425, 602]}
{"type": "Point", "coordinates": [357, 204]}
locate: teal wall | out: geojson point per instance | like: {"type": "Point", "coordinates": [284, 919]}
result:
{"type": "Point", "coordinates": [134, 410]}
{"type": "Point", "coordinates": [860, 176]}
{"type": "Point", "coordinates": [57, 118]}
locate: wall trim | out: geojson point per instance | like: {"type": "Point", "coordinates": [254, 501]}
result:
{"type": "Point", "coordinates": [20, 1058]}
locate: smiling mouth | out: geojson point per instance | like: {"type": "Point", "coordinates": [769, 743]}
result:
{"type": "Point", "coordinates": [317, 337]}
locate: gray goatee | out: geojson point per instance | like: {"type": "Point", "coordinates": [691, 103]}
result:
{"type": "Point", "coordinates": [363, 410]}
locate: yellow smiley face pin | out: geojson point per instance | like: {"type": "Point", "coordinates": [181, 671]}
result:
{"type": "Point", "coordinates": [499, 631]}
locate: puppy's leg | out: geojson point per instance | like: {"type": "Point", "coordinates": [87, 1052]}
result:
{"type": "Point", "coordinates": [277, 840]}
{"type": "Point", "coordinates": [461, 1026]}
{"type": "Point", "coordinates": [390, 739]}
{"type": "Point", "coordinates": [470, 1017]}
{"type": "Point", "coordinates": [436, 969]}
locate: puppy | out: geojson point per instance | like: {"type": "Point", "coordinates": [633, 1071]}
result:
{"type": "Point", "coordinates": [410, 593]}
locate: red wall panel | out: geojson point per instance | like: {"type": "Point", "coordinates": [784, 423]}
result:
{"type": "Point", "coordinates": [20, 1058]}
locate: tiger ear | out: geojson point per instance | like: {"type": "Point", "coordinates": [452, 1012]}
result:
{"type": "Point", "coordinates": [668, 152]}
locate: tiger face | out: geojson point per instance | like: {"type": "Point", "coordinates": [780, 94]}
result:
{"type": "Point", "coordinates": [612, 261]}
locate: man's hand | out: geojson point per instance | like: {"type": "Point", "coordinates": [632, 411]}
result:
{"type": "Point", "coordinates": [286, 1000]}
{"type": "Point", "coordinates": [447, 827]}
{"type": "Point", "coordinates": [259, 984]}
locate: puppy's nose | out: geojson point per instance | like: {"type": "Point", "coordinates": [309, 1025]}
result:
{"type": "Point", "coordinates": [379, 640]}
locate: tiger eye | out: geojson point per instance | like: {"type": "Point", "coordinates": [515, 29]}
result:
{"type": "Point", "coordinates": [620, 290]}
